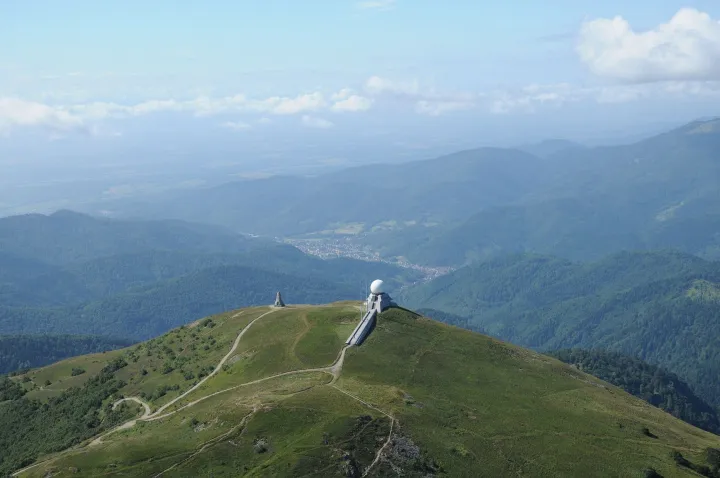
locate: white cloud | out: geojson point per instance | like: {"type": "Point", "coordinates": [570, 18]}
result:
{"type": "Point", "coordinates": [289, 106]}
{"type": "Point", "coordinates": [426, 101]}
{"type": "Point", "coordinates": [376, 4]}
{"type": "Point", "coordinates": [342, 94]}
{"type": "Point", "coordinates": [314, 122]}
{"type": "Point", "coordinates": [236, 125]}
{"type": "Point", "coordinates": [91, 117]}
{"type": "Point", "coordinates": [437, 108]}
{"type": "Point", "coordinates": [206, 106]}
{"type": "Point", "coordinates": [353, 103]}
{"type": "Point", "coordinates": [685, 48]}
{"type": "Point", "coordinates": [15, 112]}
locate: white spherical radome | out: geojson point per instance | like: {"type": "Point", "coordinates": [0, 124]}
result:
{"type": "Point", "coordinates": [377, 287]}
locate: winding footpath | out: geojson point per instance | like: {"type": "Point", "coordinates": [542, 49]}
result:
{"type": "Point", "coordinates": [335, 369]}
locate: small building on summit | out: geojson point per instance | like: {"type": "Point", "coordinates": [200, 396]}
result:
{"type": "Point", "coordinates": [378, 298]}
{"type": "Point", "coordinates": [377, 302]}
{"type": "Point", "coordinates": [278, 300]}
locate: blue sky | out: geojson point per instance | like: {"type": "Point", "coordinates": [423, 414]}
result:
{"type": "Point", "coordinates": [411, 68]}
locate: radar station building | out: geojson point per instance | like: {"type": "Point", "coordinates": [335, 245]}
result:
{"type": "Point", "coordinates": [378, 301]}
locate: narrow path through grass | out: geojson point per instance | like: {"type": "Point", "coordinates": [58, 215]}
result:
{"type": "Point", "coordinates": [335, 369]}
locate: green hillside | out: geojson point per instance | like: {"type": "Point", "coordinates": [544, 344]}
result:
{"type": "Point", "coordinates": [659, 307]}
{"type": "Point", "coordinates": [29, 351]}
{"type": "Point", "coordinates": [271, 392]}
{"type": "Point", "coordinates": [653, 384]}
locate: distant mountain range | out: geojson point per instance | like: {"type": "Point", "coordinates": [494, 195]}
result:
{"type": "Point", "coordinates": [663, 192]}
{"type": "Point", "coordinates": [437, 191]}
{"type": "Point", "coordinates": [551, 147]}
{"type": "Point", "coordinates": [554, 197]}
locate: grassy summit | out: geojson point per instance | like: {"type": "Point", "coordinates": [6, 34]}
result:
{"type": "Point", "coordinates": [285, 399]}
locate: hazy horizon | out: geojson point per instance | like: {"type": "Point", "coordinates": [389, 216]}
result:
{"type": "Point", "coordinates": [136, 97]}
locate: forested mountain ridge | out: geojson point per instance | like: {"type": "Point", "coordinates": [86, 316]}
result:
{"type": "Point", "coordinates": [72, 284]}
{"type": "Point", "coordinates": [658, 193]}
{"type": "Point", "coordinates": [66, 237]}
{"type": "Point", "coordinates": [653, 384]}
{"type": "Point", "coordinates": [154, 309]}
{"type": "Point", "coordinates": [658, 306]}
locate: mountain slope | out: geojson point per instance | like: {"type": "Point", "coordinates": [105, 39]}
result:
{"type": "Point", "coordinates": [651, 383]}
{"type": "Point", "coordinates": [661, 307]}
{"type": "Point", "coordinates": [419, 397]}
{"type": "Point", "coordinates": [551, 147]}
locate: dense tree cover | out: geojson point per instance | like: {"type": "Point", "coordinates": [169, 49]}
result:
{"type": "Point", "coordinates": [117, 274]}
{"type": "Point", "coordinates": [30, 351]}
{"type": "Point", "coordinates": [9, 389]}
{"type": "Point", "coordinates": [653, 384]}
{"type": "Point", "coordinates": [155, 309]}
{"type": "Point", "coordinates": [157, 275]}
{"type": "Point", "coordinates": [31, 428]}
{"type": "Point", "coordinates": [661, 307]}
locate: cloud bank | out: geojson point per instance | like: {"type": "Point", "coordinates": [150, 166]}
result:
{"type": "Point", "coordinates": [242, 112]}
{"type": "Point", "coordinates": [687, 48]}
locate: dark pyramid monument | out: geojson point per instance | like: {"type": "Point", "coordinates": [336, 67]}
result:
{"type": "Point", "coordinates": [278, 301]}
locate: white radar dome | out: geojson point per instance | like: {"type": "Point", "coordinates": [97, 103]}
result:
{"type": "Point", "coordinates": [377, 287]}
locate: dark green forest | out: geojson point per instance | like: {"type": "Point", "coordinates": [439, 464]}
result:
{"type": "Point", "coordinates": [653, 384]}
{"type": "Point", "coordinates": [661, 307]}
{"type": "Point", "coordinates": [149, 312]}
{"type": "Point", "coordinates": [32, 428]}
{"type": "Point", "coordinates": [69, 258]}
{"type": "Point", "coordinates": [31, 351]}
